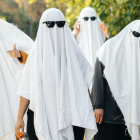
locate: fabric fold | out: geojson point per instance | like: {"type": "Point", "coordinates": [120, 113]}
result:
{"type": "Point", "coordinates": [59, 76]}
{"type": "Point", "coordinates": [10, 73]}
{"type": "Point", "coordinates": [90, 37]}
{"type": "Point", "coordinates": [120, 56]}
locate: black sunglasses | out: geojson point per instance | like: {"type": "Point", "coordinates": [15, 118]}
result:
{"type": "Point", "coordinates": [50, 24]}
{"type": "Point", "coordinates": [136, 34]}
{"type": "Point", "coordinates": [92, 18]}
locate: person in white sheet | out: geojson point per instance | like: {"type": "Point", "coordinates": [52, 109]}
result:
{"type": "Point", "coordinates": [55, 85]}
{"type": "Point", "coordinates": [90, 33]}
{"type": "Point", "coordinates": [116, 86]}
{"type": "Point", "coordinates": [10, 73]}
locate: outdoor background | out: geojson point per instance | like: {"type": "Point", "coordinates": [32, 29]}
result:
{"type": "Point", "coordinates": [25, 14]}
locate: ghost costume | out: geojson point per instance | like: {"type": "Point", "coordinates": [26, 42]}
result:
{"type": "Point", "coordinates": [56, 80]}
{"type": "Point", "coordinates": [90, 37]}
{"type": "Point", "coordinates": [10, 73]}
{"type": "Point", "coordinates": [120, 57]}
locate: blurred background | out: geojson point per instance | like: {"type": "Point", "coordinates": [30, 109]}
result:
{"type": "Point", "coordinates": [25, 14]}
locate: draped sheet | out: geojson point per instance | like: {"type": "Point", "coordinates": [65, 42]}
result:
{"type": "Point", "coordinates": [56, 80]}
{"type": "Point", "coordinates": [10, 73]}
{"type": "Point", "coordinates": [91, 37]}
{"type": "Point", "coordinates": [121, 58]}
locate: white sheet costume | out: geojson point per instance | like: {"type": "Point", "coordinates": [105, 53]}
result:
{"type": "Point", "coordinates": [121, 58]}
{"type": "Point", "coordinates": [55, 80]}
{"type": "Point", "coordinates": [10, 73]}
{"type": "Point", "coordinates": [91, 36]}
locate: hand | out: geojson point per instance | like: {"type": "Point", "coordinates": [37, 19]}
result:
{"type": "Point", "coordinates": [19, 125]}
{"type": "Point", "coordinates": [76, 30]}
{"type": "Point", "coordinates": [105, 30]}
{"type": "Point", "coordinates": [99, 115]}
{"type": "Point", "coordinates": [14, 53]}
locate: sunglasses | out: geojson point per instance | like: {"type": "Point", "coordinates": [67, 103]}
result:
{"type": "Point", "coordinates": [50, 24]}
{"type": "Point", "coordinates": [92, 18]}
{"type": "Point", "coordinates": [136, 34]}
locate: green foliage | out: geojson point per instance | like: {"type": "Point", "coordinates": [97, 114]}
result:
{"type": "Point", "coordinates": [115, 13]}
{"type": "Point", "coordinates": [13, 14]}
{"type": "Point", "coordinates": [118, 13]}
{"type": "Point", "coordinates": [26, 13]}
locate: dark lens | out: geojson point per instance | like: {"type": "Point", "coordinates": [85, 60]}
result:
{"type": "Point", "coordinates": [60, 23]}
{"type": "Point", "coordinates": [92, 18]}
{"type": "Point", "coordinates": [86, 18]}
{"type": "Point", "coordinates": [50, 24]}
{"type": "Point", "coordinates": [136, 34]}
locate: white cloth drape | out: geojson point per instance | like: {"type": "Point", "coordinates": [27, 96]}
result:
{"type": "Point", "coordinates": [55, 80]}
{"type": "Point", "coordinates": [10, 73]}
{"type": "Point", "coordinates": [121, 57]}
{"type": "Point", "coordinates": [9, 136]}
{"type": "Point", "coordinates": [91, 37]}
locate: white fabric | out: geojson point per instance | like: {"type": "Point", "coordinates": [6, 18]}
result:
{"type": "Point", "coordinates": [91, 37]}
{"type": "Point", "coordinates": [57, 85]}
{"type": "Point", "coordinates": [121, 57]}
{"type": "Point", "coordinates": [10, 73]}
{"type": "Point", "coordinates": [9, 136]}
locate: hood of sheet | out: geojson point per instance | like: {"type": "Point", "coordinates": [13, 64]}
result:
{"type": "Point", "coordinates": [91, 37]}
{"type": "Point", "coordinates": [121, 58]}
{"type": "Point", "coordinates": [10, 73]}
{"type": "Point", "coordinates": [57, 85]}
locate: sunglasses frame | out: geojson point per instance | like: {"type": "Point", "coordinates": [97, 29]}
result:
{"type": "Point", "coordinates": [54, 22]}
{"type": "Point", "coordinates": [90, 18]}
{"type": "Point", "coordinates": [133, 32]}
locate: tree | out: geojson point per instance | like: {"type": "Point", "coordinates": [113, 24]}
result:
{"type": "Point", "coordinates": [11, 12]}
{"type": "Point", "coordinates": [115, 13]}
{"type": "Point", "coordinates": [26, 13]}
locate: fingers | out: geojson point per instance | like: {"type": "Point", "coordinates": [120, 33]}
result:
{"type": "Point", "coordinates": [77, 28]}
{"type": "Point", "coordinates": [77, 24]}
{"type": "Point", "coordinates": [9, 51]}
{"type": "Point", "coordinates": [12, 50]}
{"type": "Point", "coordinates": [98, 119]}
{"type": "Point", "coordinates": [15, 47]}
{"type": "Point", "coordinates": [101, 119]}
{"type": "Point", "coordinates": [12, 54]}
{"type": "Point", "coordinates": [22, 129]}
{"type": "Point", "coordinates": [99, 115]}
{"type": "Point", "coordinates": [17, 130]}
{"type": "Point", "coordinates": [102, 25]}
